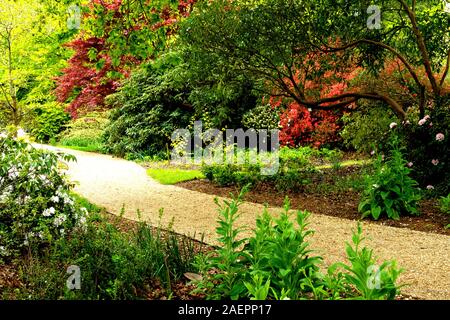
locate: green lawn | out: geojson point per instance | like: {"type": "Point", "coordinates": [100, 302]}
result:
{"type": "Point", "coordinates": [173, 176]}
{"type": "Point", "coordinates": [89, 148]}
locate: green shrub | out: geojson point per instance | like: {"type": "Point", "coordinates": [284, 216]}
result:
{"type": "Point", "coordinates": [363, 275]}
{"type": "Point", "coordinates": [390, 191]}
{"type": "Point", "coordinates": [428, 148]}
{"type": "Point", "coordinates": [276, 263]}
{"type": "Point", "coordinates": [365, 129]}
{"type": "Point", "coordinates": [148, 108]}
{"type": "Point", "coordinates": [85, 133]}
{"type": "Point", "coordinates": [46, 121]}
{"type": "Point", "coordinates": [36, 207]}
{"type": "Point", "coordinates": [445, 206]}
{"type": "Point", "coordinates": [295, 169]}
{"type": "Point", "coordinates": [113, 264]}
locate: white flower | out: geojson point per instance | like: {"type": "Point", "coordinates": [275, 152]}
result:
{"type": "Point", "coordinates": [410, 164]}
{"type": "Point", "coordinates": [49, 212]}
{"type": "Point", "coordinates": [375, 186]}
{"type": "Point", "coordinates": [393, 125]}
{"type": "Point", "coordinates": [59, 220]}
{"type": "Point", "coordinates": [54, 199]}
{"type": "Point", "coordinates": [440, 137]}
{"type": "Point", "coordinates": [430, 187]}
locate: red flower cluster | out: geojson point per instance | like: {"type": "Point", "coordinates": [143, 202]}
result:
{"type": "Point", "coordinates": [303, 126]}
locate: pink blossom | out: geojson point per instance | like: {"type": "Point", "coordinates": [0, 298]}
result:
{"type": "Point", "coordinates": [430, 187]}
{"type": "Point", "coordinates": [393, 125]}
{"type": "Point", "coordinates": [372, 152]}
{"type": "Point", "coordinates": [426, 118]}
{"type": "Point", "coordinates": [435, 162]}
{"type": "Point", "coordinates": [410, 164]}
{"type": "Point", "coordinates": [422, 122]}
{"type": "Point", "coordinates": [440, 137]}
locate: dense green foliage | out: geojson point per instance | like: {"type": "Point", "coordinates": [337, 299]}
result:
{"type": "Point", "coordinates": [277, 263]}
{"type": "Point", "coordinates": [390, 191]}
{"type": "Point", "coordinates": [148, 108]}
{"type": "Point", "coordinates": [365, 130]}
{"type": "Point", "coordinates": [85, 133]}
{"type": "Point", "coordinates": [46, 121]}
{"type": "Point", "coordinates": [295, 170]}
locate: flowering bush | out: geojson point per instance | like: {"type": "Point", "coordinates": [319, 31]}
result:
{"type": "Point", "coordinates": [428, 148]}
{"type": "Point", "coordinates": [390, 191]}
{"type": "Point", "coordinates": [261, 117]}
{"type": "Point", "coordinates": [35, 202]}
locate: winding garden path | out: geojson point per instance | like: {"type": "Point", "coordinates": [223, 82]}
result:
{"type": "Point", "coordinates": [115, 183]}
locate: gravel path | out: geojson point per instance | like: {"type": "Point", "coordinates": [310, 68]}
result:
{"type": "Point", "coordinates": [115, 183]}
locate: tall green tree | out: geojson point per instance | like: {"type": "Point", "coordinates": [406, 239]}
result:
{"type": "Point", "coordinates": [275, 42]}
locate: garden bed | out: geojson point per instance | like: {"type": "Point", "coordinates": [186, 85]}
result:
{"type": "Point", "coordinates": [325, 195]}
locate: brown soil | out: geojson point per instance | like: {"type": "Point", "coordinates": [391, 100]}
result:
{"type": "Point", "coordinates": [341, 205]}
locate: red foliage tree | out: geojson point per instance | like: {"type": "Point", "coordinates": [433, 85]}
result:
{"type": "Point", "coordinates": [303, 126]}
{"type": "Point", "coordinates": [112, 49]}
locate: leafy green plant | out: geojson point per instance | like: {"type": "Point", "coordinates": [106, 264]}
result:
{"type": "Point", "coordinates": [295, 168]}
{"type": "Point", "coordinates": [390, 191]}
{"type": "Point", "coordinates": [445, 206]}
{"type": "Point", "coordinates": [370, 281]}
{"type": "Point", "coordinates": [277, 263]}
{"type": "Point", "coordinates": [280, 253]}
{"type": "Point", "coordinates": [227, 258]}
{"type": "Point", "coordinates": [114, 264]}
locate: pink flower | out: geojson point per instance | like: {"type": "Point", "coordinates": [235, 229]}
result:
{"type": "Point", "coordinates": [422, 122]}
{"type": "Point", "coordinates": [426, 118]}
{"type": "Point", "coordinates": [410, 164]}
{"type": "Point", "coordinates": [393, 125]}
{"type": "Point", "coordinates": [435, 162]}
{"type": "Point", "coordinates": [440, 137]}
{"type": "Point", "coordinates": [431, 124]}
{"type": "Point", "coordinates": [430, 187]}
{"type": "Point", "coordinates": [372, 152]}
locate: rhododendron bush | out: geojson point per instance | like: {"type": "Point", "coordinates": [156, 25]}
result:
{"type": "Point", "coordinates": [35, 202]}
{"type": "Point", "coordinates": [428, 149]}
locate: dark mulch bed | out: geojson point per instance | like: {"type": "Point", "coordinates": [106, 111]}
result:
{"type": "Point", "coordinates": [341, 204]}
